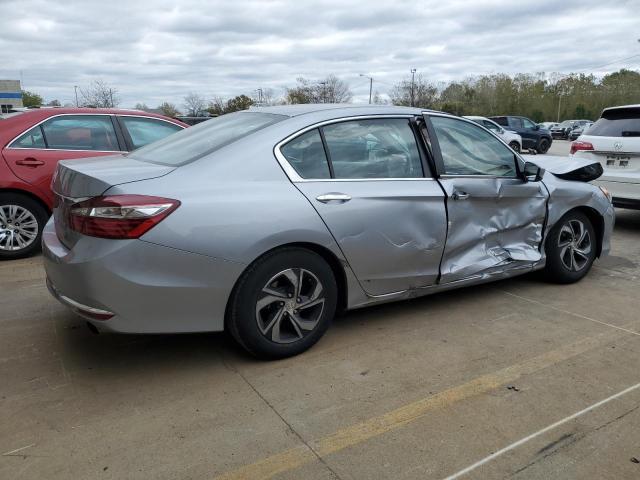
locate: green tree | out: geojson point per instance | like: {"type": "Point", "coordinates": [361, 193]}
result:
{"type": "Point", "coordinates": [169, 109]}
{"type": "Point", "coordinates": [241, 102]}
{"type": "Point", "coordinates": [31, 99]}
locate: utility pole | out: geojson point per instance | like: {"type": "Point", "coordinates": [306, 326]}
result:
{"type": "Point", "coordinates": [75, 89]}
{"type": "Point", "coordinates": [111, 97]}
{"type": "Point", "coordinates": [370, 85]}
{"type": "Point", "coordinates": [413, 72]}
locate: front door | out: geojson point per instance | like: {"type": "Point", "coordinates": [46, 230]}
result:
{"type": "Point", "coordinates": [368, 181]}
{"type": "Point", "coordinates": [495, 218]}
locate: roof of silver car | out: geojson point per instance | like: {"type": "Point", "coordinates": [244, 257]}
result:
{"type": "Point", "coordinates": [337, 108]}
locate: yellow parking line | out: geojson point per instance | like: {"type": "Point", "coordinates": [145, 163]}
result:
{"type": "Point", "coordinates": [360, 432]}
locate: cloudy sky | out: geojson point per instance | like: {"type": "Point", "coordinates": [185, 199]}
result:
{"type": "Point", "coordinates": [155, 50]}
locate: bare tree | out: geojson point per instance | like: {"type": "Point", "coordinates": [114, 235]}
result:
{"type": "Point", "coordinates": [141, 106]}
{"type": "Point", "coordinates": [217, 105]}
{"type": "Point", "coordinates": [424, 93]}
{"type": "Point", "coordinates": [99, 95]}
{"type": "Point", "coordinates": [329, 90]}
{"type": "Point", "coordinates": [194, 104]}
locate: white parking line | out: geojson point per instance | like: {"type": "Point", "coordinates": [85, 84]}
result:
{"type": "Point", "coordinates": [570, 313]}
{"type": "Point", "coordinates": [539, 432]}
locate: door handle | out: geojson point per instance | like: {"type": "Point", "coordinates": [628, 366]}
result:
{"type": "Point", "coordinates": [333, 197]}
{"type": "Point", "coordinates": [460, 195]}
{"type": "Point", "coordinates": [30, 162]}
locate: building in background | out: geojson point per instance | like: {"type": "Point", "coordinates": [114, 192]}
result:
{"type": "Point", "coordinates": [10, 95]}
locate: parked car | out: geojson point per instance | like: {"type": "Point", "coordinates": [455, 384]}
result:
{"type": "Point", "coordinates": [579, 130]}
{"type": "Point", "coordinates": [533, 137]}
{"type": "Point", "coordinates": [548, 125]}
{"type": "Point", "coordinates": [32, 143]}
{"type": "Point", "coordinates": [509, 137]}
{"type": "Point", "coordinates": [265, 222]}
{"type": "Point", "coordinates": [614, 142]}
{"type": "Point", "coordinates": [563, 130]}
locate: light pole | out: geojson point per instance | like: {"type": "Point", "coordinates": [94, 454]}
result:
{"type": "Point", "coordinates": [413, 72]}
{"type": "Point", "coordinates": [324, 92]}
{"type": "Point", "coordinates": [75, 89]}
{"type": "Point", "coordinates": [370, 85]}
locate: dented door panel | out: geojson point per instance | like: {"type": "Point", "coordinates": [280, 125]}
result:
{"type": "Point", "coordinates": [495, 224]}
{"type": "Point", "coordinates": [392, 232]}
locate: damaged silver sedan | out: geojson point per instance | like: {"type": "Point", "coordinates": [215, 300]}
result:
{"type": "Point", "coordinates": [267, 222]}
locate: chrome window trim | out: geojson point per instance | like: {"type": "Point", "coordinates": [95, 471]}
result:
{"type": "Point", "coordinates": [10, 147]}
{"type": "Point", "coordinates": [450, 175]}
{"type": "Point", "coordinates": [296, 178]}
{"type": "Point", "coordinates": [149, 118]}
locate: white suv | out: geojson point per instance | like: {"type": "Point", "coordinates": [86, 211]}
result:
{"type": "Point", "coordinates": [614, 141]}
{"type": "Point", "coordinates": [507, 136]}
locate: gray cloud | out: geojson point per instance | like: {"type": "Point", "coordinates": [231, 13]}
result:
{"type": "Point", "coordinates": [154, 50]}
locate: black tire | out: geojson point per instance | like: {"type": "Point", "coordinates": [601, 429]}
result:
{"type": "Point", "coordinates": [249, 324]}
{"type": "Point", "coordinates": [543, 145]}
{"type": "Point", "coordinates": [562, 246]}
{"type": "Point", "coordinates": [35, 210]}
{"type": "Point", "coordinates": [515, 146]}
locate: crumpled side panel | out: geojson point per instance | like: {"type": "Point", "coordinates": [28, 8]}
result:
{"type": "Point", "coordinates": [499, 226]}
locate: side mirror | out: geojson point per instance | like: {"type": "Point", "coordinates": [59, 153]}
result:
{"type": "Point", "coordinates": [532, 172]}
{"type": "Point", "coordinates": [536, 127]}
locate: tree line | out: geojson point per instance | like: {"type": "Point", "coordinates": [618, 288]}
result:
{"type": "Point", "coordinates": [541, 97]}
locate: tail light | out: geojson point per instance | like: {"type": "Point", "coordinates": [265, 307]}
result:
{"type": "Point", "coordinates": [579, 145]}
{"type": "Point", "coordinates": [120, 216]}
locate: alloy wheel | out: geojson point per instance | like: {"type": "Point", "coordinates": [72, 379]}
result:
{"type": "Point", "coordinates": [290, 305]}
{"type": "Point", "coordinates": [18, 228]}
{"type": "Point", "coordinates": [575, 245]}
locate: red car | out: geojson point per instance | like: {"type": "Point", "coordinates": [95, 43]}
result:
{"type": "Point", "coordinates": [32, 143]}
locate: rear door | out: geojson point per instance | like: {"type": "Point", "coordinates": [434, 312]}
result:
{"type": "Point", "coordinates": [495, 218]}
{"type": "Point", "coordinates": [368, 180]}
{"type": "Point", "coordinates": [34, 155]}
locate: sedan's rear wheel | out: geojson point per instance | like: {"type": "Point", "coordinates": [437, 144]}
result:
{"type": "Point", "coordinates": [515, 146]}
{"type": "Point", "coordinates": [283, 303]}
{"type": "Point", "coordinates": [21, 222]}
{"type": "Point", "coordinates": [570, 248]}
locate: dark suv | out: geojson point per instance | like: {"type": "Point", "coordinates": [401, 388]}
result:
{"type": "Point", "coordinates": [533, 137]}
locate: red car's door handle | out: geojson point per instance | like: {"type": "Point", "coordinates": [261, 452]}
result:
{"type": "Point", "coordinates": [30, 162]}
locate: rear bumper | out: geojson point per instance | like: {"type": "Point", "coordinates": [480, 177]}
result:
{"type": "Point", "coordinates": [625, 194]}
{"type": "Point", "coordinates": [147, 288]}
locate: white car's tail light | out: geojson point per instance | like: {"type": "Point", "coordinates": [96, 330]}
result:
{"type": "Point", "coordinates": [120, 216]}
{"type": "Point", "coordinates": [579, 145]}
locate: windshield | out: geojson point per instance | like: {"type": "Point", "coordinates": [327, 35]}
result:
{"type": "Point", "coordinates": [567, 123]}
{"type": "Point", "coordinates": [617, 123]}
{"type": "Point", "coordinates": [206, 137]}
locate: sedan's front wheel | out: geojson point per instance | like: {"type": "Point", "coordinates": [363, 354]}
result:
{"type": "Point", "coordinates": [283, 303]}
{"type": "Point", "coordinates": [570, 248]}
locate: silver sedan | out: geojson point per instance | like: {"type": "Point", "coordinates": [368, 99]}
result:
{"type": "Point", "coordinates": [267, 222]}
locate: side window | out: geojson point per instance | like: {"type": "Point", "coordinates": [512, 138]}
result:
{"type": "Point", "coordinates": [81, 132]}
{"type": "Point", "coordinates": [147, 130]}
{"type": "Point", "coordinates": [306, 155]}
{"type": "Point", "coordinates": [501, 121]}
{"type": "Point", "coordinates": [469, 150]}
{"type": "Point", "coordinates": [377, 148]}
{"type": "Point", "coordinates": [31, 139]}
{"type": "Point", "coordinates": [515, 122]}
{"type": "Point", "coordinates": [491, 126]}
{"type": "Point", "coordinates": [528, 123]}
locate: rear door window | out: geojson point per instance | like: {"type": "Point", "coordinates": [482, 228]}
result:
{"type": "Point", "coordinates": [143, 130]}
{"type": "Point", "coordinates": [306, 155]}
{"type": "Point", "coordinates": [81, 132]}
{"type": "Point", "coordinates": [376, 148]}
{"type": "Point", "coordinates": [516, 122]}
{"type": "Point", "coordinates": [617, 123]}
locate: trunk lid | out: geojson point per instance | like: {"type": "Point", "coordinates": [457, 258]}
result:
{"type": "Point", "coordinates": [619, 156]}
{"type": "Point", "coordinates": [76, 180]}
